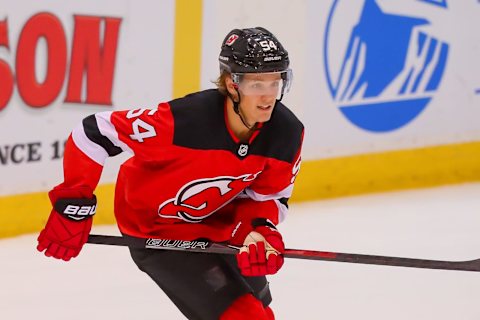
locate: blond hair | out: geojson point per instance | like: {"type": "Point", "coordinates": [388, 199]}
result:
{"type": "Point", "coordinates": [221, 83]}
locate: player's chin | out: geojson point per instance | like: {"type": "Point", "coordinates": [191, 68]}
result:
{"type": "Point", "coordinates": [263, 118]}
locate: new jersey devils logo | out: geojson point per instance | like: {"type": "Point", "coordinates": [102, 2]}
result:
{"type": "Point", "coordinates": [231, 39]}
{"type": "Point", "coordinates": [199, 199]}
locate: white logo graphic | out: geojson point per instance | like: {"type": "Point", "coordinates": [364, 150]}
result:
{"type": "Point", "coordinates": [243, 150]}
{"type": "Point", "coordinates": [201, 198]}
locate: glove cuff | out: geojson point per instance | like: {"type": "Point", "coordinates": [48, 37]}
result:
{"type": "Point", "coordinates": [76, 208]}
{"type": "Point", "coordinates": [262, 222]}
{"type": "Point", "coordinates": [77, 203]}
{"type": "Point", "coordinates": [243, 228]}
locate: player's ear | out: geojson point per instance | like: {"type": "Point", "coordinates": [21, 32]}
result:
{"type": "Point", "coordinates": [230, 86]}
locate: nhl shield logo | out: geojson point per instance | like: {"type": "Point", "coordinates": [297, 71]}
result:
{"type": "Point", "coordinates": [242, 150]}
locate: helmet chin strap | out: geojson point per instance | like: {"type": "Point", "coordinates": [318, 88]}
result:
{"type": "Point", "coordinates": [236, 108]}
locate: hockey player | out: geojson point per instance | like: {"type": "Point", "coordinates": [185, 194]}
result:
{"type": "Point", "coordinates": [217, 164]}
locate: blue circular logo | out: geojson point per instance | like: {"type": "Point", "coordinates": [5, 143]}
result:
{"type": "Point", "coordinates": [382, 68]}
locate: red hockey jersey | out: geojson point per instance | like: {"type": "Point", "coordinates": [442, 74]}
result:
{"type": "Point", "coordinates": [189, 177]}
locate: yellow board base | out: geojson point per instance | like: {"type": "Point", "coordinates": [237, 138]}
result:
{"type": "Point", "coordinates": [28, 213]}
{"type": "Point", "coordinates": [394, 170]}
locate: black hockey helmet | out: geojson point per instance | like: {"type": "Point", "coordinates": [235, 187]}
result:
{"type": "Point", "coordinates": [255, 50]}
{"type": "Point", "coordinates": [252, 50]}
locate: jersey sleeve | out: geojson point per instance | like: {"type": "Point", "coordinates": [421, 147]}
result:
{"type": "Point", "coordinates": [268, 195]}
{"type": "Point", "coordinates": [108, 134]}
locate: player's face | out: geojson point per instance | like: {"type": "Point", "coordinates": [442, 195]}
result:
{"type": "Point", "coordinates": [259, 93]}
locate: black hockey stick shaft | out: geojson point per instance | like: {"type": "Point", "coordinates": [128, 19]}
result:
{"type": "Point", "coordinates": [211, 247]}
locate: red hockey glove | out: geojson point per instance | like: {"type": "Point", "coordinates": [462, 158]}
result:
{"type": "Point", "coordinates": [69, 224]}
{"type": "Point", "coordinates": [262, 250]}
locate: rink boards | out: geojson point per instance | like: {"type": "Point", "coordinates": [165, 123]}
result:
{"type": "Point", "coordinates": [395, 109]}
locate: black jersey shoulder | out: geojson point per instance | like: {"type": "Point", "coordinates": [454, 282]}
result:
{"type": "Point", "coordinates": [281, 137]}
{"type": "Point", "coordinates": [199, 123]}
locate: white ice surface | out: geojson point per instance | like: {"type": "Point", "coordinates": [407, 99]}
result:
{"type": "Point", "coordinates": [440, 223]}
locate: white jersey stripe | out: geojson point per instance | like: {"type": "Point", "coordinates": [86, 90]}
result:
{"type": "Point", "coordinates": [282, 211]}
{"type": "Point", "coordinates": [285, 193]}
{"type": "Point", "coordinates": [107, 129]}
{"type": "Point", "coordinates": [282, 208]}
{"type": "Point", "coordinates": [90, 148]}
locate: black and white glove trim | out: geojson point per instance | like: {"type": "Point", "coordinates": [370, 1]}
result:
{"type": "Point", "coordinates": [76, 208]}
{"type": "Point", "coordinates": [262, 222]}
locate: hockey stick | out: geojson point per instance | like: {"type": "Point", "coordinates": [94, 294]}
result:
{"type": "Point", "coordinates": [211, 247]}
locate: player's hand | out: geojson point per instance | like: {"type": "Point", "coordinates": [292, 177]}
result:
{"type": "Point", "coordinates": [262, 251]}
{"type": "Point", "coordinates": [69, 224]}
